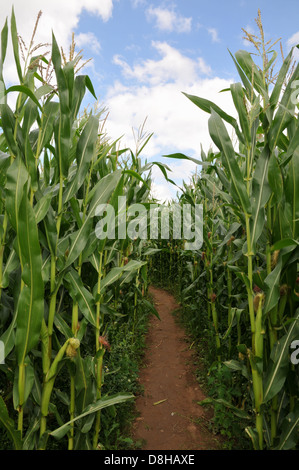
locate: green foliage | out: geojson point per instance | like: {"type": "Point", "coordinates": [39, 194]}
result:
{"type": "Point", "coordinates": [121, 372]}
{"type": "Point", "coordinates": [239, 292]}
{"type": "Point", "coordinates": [60, 285]}
{"type": "Point", "coordinates": [230, 404]}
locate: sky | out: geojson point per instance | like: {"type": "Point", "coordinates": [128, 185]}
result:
{"type": "Point", "coordinates": [145, 54]}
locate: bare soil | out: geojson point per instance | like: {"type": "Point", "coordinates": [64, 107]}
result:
{"type": "Point", "coordinates": [169, 417]}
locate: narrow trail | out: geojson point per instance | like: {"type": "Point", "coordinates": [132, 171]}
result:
{"type": "Point", "coordinates": [169, 416]}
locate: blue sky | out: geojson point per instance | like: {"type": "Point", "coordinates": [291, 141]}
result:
{"type": "Point", "coordinates": [145, 53]}
{"type": "Point", "coordinates": [213, 28]}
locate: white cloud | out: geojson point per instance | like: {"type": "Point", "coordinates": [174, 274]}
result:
{"type": "Point", "coordinates": [89, 40]}
{"type": "Point", "coordinates": [204, 67]}
{"type": "Point", "coordinates": [214, 34]}
{"type": "Point", "coordinates": [162, 192]}
{"type": "Point", "coordinates": [60, 16]}
{"type": "Point", "coordinates": [172, 67]}
{"type": "Point", "coordinates": [155, 91]}
{"type": "Point", "coordinates": [137, 3]}
{"type": "Point", "coordinates": [169, 20]}
{"type": "Point", "coordinates": [293, 41]}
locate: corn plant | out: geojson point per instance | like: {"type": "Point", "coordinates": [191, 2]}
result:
{"type": "Point", "coordinates": [59, 281]}
{"type": "Point", "coordinates": [255, 222]}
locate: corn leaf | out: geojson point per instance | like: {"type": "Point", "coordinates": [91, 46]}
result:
{"type": "Point", "coordinates": [275, 179]}
{"type": "Point", "coordinates": [292, 193]}
{"type": "Point", "coordinates": [30, 307]}
{"type": "Point", "coordinates": [238, 96]}
{"type": "Point", "coordinates": [284, 114]}
{"type": "Point", "coordinates": [280, 80]}
{"type": "Point", "coordinates": [84, 153]}
{"type": "Point", "coordinates": [62, 125]}
{"type": "Point", "coordinates": [279, 361]}
{"type": "Point", "coordinates": [16, 176]}
{"type": "Point", "coordinates": [15, 44]}
{"type": "Point", "coordinates": [99, 405]}
{"type": "Point", "coordinates": [290, 427]}
{"type": "Point", "coordinates": [103, 191]}
{"type": "Point", "coordinates": [81, 295]}
{"type": "Point", "coordinates": [261, 192]}
{"type": "Point", "coordinates": [247, 64]}
{"type": "Point", "coordinates": [8, 424]}
{"type": "Point", "coordinates": [4, 36]}
{"type": "Point", "coordinates": [221, 138]}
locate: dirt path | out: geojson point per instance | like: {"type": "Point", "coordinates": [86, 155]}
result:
{"type": "Point", "coordinates": [177, 422]}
